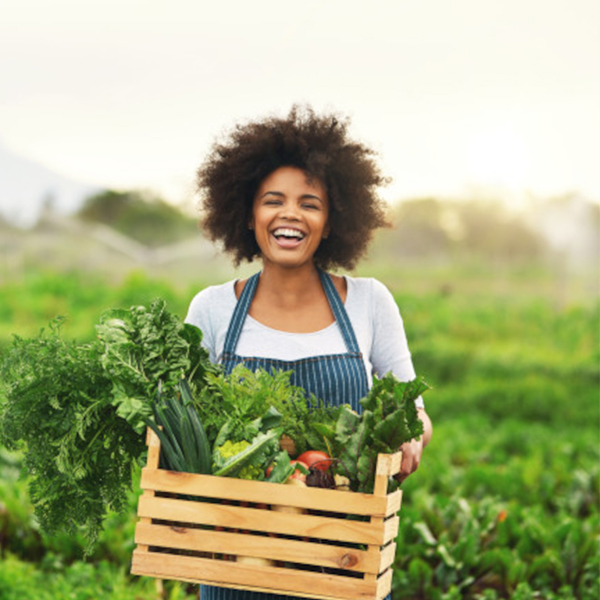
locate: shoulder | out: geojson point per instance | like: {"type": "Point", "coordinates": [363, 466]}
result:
{"type": "Point", "coordinates": [368, 289]}
{"type": "Point", "coordinates": [211, 301]}
{"type": "Point", "coordinates": [214, 292]}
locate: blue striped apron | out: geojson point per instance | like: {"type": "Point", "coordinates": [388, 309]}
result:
{"type": "Point", "coordinates": [335, 378]}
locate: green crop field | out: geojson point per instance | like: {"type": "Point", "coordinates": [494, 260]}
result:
{"type": "Point", "coordinates": [506, 501]}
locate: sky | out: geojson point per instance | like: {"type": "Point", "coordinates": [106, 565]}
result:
{"type": "Point", "coordinates": [456, 96]}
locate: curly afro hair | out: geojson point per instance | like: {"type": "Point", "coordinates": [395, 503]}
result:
{"type": "Point", "coordinates": [230, 176]}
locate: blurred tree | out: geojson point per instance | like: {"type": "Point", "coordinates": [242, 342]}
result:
{"type": "Point", "coordinates": [490, 231]}
{"type": "Point", "coordinates": [142, 216]}
{"type": "Point", "coordinates": [417, 232]}
{"type": "Point", "coordinates": [431, 228]}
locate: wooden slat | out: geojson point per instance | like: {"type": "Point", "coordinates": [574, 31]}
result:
{"type": "Point", "coordinates": [262, 492]}
{"type": "Point", "coordinates": [239, 544]}
{"type": "Point", "coordinates": [153, 443]}
{"type": "Point", "coordinates": [389, 464]}
{"type": "Point", "coordinates": [390, 527]}
{"type": "Point", "coordinates": [266, 579]}
{"type": "Point", "coordinates": [394, 502]}
{"type": "Point", "coordinates": [384, 585]}
{"type": "Point", "coordinates": [253, 519]}
{"type": "Point", "coordinates": [387, 556]}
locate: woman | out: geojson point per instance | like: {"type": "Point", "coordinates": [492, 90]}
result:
{"type": "Point", "coordinates": [299, 195]}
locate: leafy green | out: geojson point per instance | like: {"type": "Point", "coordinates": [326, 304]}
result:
{"type": "Point", "coordinates": [78, 454]}
{"type": "Point", "coordinates": [141, 346]}
{"type": "Point", "coordinates": [389, 419]}
{"type": "Point", "coordinates": [258, 453]}
{"type": "Point", "coordinates": [243, 397]}
{"type": "Point", "coordinates": [76, 411]}
{"type": "Point", "coordinates": [282, 468]}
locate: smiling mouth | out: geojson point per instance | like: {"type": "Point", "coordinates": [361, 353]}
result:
{"type": "Point", "coordinates": [288, 236]}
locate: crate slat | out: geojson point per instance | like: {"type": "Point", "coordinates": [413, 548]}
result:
{"type": "Point", "coordinates": [254, 519]}
{"type": "Point", "coordinates": [243, 544]}
{"type": "Point", "coordinates": [262, 492]}
{"type": "Point", "coordinates": [265, 579]}
{"type": "Point", "coordinates": [387, 557]}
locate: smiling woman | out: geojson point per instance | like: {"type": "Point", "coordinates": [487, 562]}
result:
{"type": "Point", "coordinates": [299, 195]}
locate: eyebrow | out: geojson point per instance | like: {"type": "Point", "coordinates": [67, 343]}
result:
{"type": "Point", "coordinates": [303, 197]}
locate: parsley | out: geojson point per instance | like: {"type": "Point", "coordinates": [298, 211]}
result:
{"type": "Point", "coordinates": [76, 411]}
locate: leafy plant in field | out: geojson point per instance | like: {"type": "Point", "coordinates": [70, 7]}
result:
{"type": "Point", "coordinates": [76, 581]}
{"type": "Point", "coordinates": [493, 550]}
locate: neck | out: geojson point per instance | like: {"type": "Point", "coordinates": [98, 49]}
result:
{"type": "Point", "coordinates": [289, 285]}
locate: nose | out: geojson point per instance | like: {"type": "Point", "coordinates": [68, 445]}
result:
{"type": "Point", "coordinates": [290, 211]}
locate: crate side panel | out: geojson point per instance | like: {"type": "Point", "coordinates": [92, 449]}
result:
{"type": "Point", "coordinates": [262, 492]}
{"type": "Point", "coordinates": [394, 502]}
{"type": "Point", "coordinates": [241, 544]}
{"type": "Point", "coordinates": [391, 527]}
{"type": "Point", "coordinates": [386, 557]}
{"type": "Point", "coordinates": [389, 464]}
{"type": "Point", "coordinates": [253, 519]}
{"type": "Point", "coordinates": [269, 579]}
{"type": "Point", "coordinates": [384, 585]}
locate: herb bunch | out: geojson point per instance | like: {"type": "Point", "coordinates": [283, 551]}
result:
{"type": "Point", "coordinates": [76, 411]}
{"type": "Point", "coordinates": [244, 397]}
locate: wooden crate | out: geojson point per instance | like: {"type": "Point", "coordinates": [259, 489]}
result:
{"type": "Point", "coordinates": [192, 527]}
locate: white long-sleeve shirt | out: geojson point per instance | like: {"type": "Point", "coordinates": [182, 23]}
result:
{"type": "Point", "coordinates": [372, 311]}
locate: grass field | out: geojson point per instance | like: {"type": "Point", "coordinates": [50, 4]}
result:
{"type": "Point", "coordinates": [506, 502]}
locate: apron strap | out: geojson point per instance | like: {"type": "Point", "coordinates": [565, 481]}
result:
{"type": "Point", "coordinates": [239, 314]}
{"type": "Point", "coordinates": [339, 313]}
{"type": "Point", "coordinates": [243, 305]}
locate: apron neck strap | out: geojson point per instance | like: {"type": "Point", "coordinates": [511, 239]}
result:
{"type": "Point", "coordinates": [245, 300]}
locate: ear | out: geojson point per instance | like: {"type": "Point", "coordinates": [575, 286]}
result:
{"type": "Point", "coordinates": [326, 231]}
{"type": "Point", "coordinates": [251, 223]}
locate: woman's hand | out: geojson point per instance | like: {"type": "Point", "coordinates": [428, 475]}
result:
{"type": "Point", "coordinates": [413, 450]}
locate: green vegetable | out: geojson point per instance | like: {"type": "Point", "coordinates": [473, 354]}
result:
{"type": "Point", "coordinates": [184, 445]}
{"type": "Point", "coordinates": [389, 419]}
{"type": "Point", "coordinates": [249, 401]}
{"type": "Point", "coordinates": [230, 458]}
{"type": "Point", "coordinates": [283, 468]}
{"type": "Point", "coordinates": [78, 453]}
{"type": "Point", "coordinates": [230, 449]}
{"type": "Point", "coordinates": [142, 346]}
{"type": "Point", "coordinates": [76, 411]}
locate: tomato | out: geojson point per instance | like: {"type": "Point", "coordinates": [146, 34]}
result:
{"type": "Point", "coordinates": [317, 459]}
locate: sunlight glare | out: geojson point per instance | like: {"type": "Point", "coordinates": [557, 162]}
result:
{"type": "Point", "coordinates": [498, 156]}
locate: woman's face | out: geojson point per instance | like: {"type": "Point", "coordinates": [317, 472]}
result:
{"type": "Point", "coordinates": [290, 217]}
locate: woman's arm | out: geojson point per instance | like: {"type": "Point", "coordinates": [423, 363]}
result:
{"type": "Point", "coordinates": [413, 450]}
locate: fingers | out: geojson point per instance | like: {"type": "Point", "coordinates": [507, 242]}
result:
{"type": "Point", "coordinates": [411, 458]}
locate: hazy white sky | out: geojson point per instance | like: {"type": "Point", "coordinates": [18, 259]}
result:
{"type": "Point", "coordinates": [453, 94]}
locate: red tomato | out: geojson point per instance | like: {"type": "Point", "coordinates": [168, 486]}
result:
{"type": "Point", "coordinates": [317, 459]}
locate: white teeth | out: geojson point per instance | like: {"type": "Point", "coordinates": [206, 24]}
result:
{"type": "Point", "coordinates": [283, 231]}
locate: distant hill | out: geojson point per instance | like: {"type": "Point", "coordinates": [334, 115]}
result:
{"type": "Point", "coordinates": [26, 186]}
